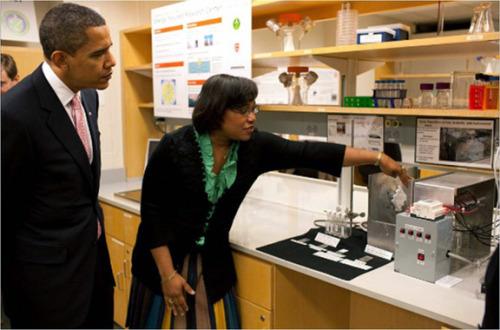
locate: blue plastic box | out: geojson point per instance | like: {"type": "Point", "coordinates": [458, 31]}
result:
{"type": "Point", "coordinates": [383, 33]}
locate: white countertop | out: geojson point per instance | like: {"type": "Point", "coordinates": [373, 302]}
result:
{"type": "Point", "coordinates": [260, 222]}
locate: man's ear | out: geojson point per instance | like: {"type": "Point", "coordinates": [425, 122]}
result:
{"type": "Point", "coordinates": [60, 59]}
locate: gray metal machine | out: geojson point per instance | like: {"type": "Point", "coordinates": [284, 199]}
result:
{"type": "Point", "coordinates": [473, 193]}
{"type": "Point", "coordinates": [422, 246]}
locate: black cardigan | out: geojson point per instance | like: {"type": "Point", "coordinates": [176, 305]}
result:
{"type": "Point", "coordinates": [174, 204]}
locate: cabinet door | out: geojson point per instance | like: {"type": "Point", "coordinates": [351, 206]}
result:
{"type": "Point", "coordinates": [128, 268]}
{"type": "Point", "coordinates": [130, 226]}
{"type": "Point", "coordinates": [113, 224]}
{"type": "Point", "coordinates": [254, 280]}
{"type": "Point", "coordinates": [117, 256]}
{"type": "Point", "coordinates": [253, 316]}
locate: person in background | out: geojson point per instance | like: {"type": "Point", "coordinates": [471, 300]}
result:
{"type": "Point", "coordinates": [195, 181]}
{"type": "Point", "coordinates": [56, 271]}
{"type": "Point", "coordinates": [10, 77]}
{"type": "Point", "coordinates": [491, 311]}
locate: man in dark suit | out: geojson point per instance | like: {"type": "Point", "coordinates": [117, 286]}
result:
{"type": "Point", "coordinates": [56, 271]}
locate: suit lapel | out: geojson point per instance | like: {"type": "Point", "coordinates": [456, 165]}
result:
{"type": "Point", "coordinates": [59, 123]}
{"type": "Point", "coordinates": [89, 104]}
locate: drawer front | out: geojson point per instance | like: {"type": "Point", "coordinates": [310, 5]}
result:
{"type": "Point", "coordinates": [113, 224]}
{"type": "Point", "coordinates": [253, 316]}
{"type": "Point", "coordinates": [254, 280]}
{"type": "Point", "coordinates": [130, 226]}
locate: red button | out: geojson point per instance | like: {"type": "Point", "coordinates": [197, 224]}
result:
{"type": "Point", "coordinates": [402, 230]}
{"type": "Point", "coordinates": [427, 236]}
{"type": "Point", "coordinates": [410, 232]}
{"type": "Point", "coordinates": [421, 257]}
{"type": "Point", "coordinates": [419, 234]}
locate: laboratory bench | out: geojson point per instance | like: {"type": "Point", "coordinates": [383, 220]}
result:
{"type": "Point", "coordinates": [275, 293]}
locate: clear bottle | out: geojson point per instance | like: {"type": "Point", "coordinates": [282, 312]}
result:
{"type": "Point", "coordinates": [426, 95]}
{"type": "Point", "coordinates": [443, 95]}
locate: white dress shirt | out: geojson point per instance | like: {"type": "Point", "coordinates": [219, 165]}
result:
{"type": "Point", "coordinates": [65, 95]}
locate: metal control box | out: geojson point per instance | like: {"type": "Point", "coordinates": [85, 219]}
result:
{"type": "Point", "coordinates": [421, 246]}
{"type": "Point", "coordinates": [470, 190]}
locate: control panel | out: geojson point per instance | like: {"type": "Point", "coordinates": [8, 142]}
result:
{"type": "Point", "coordinates": [422, 245]}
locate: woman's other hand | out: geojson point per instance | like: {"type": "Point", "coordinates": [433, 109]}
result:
{"type": "Point", "coordinates": [173, 292]}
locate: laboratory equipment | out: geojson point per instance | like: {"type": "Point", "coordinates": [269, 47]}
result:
{"type": "Point", "coordinates": [347, 24]}
{"type": "Point", "coordinates": [470, 197]}
{"type": "Point", "coordinates": [297, 80]}
{"type": "Point", "coordinates": [339, 223]}
{"type": "Point", "coordinates": [443, 95]}
{"type": "Point", "coordinates": [426, 97]}
{"type": "Point", "coordinates": [387, 197]}
{"type": "Point", "coordinates": [482, 19]}
{"type": "Point", "coordinates": [422, 246]}
{"type": "Point", "coordinates": [291, 28]}
{"type": "Point", "coordinates": [460, 83]}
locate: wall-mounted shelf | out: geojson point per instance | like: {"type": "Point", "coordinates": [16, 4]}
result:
{"type": "Point", "coordinates": [417, 76]}
{"type": "Point", "coordinates": [145, 70]}
{"type": "Point", "coordinates": [426, 48]}
{"type": "Point", "coordinates": [146, 105]}
{"type": "Point", "coordinates": [262, 10]}
{"type": "Point", "coordinates": [442, 113]}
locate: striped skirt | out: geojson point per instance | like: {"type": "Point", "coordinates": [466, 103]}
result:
{"type": "Point", "coordinates": [147, 310]}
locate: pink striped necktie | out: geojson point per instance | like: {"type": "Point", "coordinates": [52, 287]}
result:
{"type": "Point", "coordinates": [81, 127]}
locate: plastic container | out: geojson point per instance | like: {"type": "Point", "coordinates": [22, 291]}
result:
{"type": "Point", "coordinates": [426, 96]}
{"type": "Point", "coordinates": [443, 95]}
{"type": "Point", "coordinates": [477, 92]}
{"type": "Point", "coordinates": [491, 94]}
{"type": "Point", "coordinates": [347, 24]}
{"type": "Point", "coordinates": [374, 35]}
{"type": "Point", "coordinates": [460, 83]}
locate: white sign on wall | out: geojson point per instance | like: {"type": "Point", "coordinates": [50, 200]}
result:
{"type": "Point", "coordinates": [192, 41]}
{"type": "Point", "coordinates": [19, 21]}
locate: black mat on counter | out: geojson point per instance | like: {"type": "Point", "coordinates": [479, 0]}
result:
{"type": "Point", "coordinates": [303, 254]}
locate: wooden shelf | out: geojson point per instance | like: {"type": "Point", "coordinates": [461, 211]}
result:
{"type": "Point", "coordinates": [146, 105]}
{"type": "Point", "coordinates": [262, 10]}
{"type": "Point", "coordinates": [444, 113]}
{"type": "Point", "coordinates": [145, 70]}
{"type": "Point", "coordinates": [426, 48]}
{"type": "Point", "coordinates": [417, 76]}
{"type": "Point", "coordinates": [144, 29]}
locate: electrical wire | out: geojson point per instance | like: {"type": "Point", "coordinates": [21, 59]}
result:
{"type": "Point", "coordinates": [449, 254]}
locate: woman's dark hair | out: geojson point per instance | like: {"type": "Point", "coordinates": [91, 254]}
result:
{"type": "Point", "coordinates": [9, 65]}
{"type": "Point", "coordinates": [219, 93]}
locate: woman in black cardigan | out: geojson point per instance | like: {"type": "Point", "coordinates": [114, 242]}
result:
{"type": "Point", "coordinates": [193, 186]}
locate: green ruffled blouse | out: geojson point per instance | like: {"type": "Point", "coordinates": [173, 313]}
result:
{"type": "Point", "coordinates": [215, 185]}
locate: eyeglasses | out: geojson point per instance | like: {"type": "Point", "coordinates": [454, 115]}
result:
{"type": "Point", "coordinates": [246, 110]}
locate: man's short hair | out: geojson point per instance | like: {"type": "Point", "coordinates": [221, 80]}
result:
{"type": "Point", "coordinates": [9, 66]}
{"type": "Point", "coordinates": [64, 28]}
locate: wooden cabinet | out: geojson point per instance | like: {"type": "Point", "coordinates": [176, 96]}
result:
{"type": "Point", "coordinates": [121, 231]}
{"type": "Point", "coordinates": [254, 291]}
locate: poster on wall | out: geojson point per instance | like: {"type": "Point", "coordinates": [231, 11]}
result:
{"type": "Point", "coordinates": [19, 21]}
{"type": "Point", "coordinates": [192, 41]}
{"type": "Point", "coordinates": [459, 142]}
{"type": "Point", "coordinates": [365, 132]}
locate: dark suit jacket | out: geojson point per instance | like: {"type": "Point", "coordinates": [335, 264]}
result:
{"type": "Point", "coordinates": [174, 204]}
{"type": "Point", "coordinates": [49, 206]}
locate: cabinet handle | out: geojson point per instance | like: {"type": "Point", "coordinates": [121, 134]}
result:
{"type": "Point", "coordinates": [125, 271]}
{"type": "Point", "coordinates": [262, 318]}
{"type": "Point", "coordinates": [127, 215]}
{"type": "Point", "coordinates": [118, 281]}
